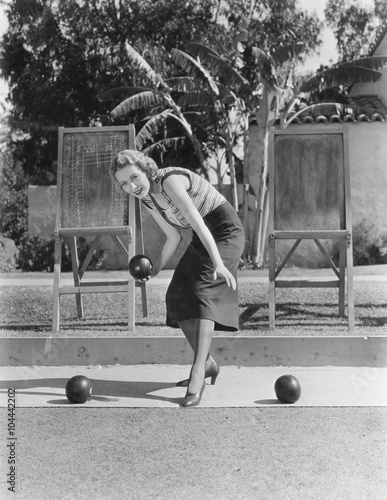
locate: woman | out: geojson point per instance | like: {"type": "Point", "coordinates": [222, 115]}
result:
{"type": "Point", "coordinates": [202, 296]}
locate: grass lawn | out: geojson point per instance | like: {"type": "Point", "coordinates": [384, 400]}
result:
{"type": "Point", "coordinates": [27, 310]}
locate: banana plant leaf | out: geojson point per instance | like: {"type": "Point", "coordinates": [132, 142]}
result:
{"type": "Point", "coordinates": [120, 93]}
{"type": "Point", "coordinates": [374, 62]}
{"type": "Point", "coordinates": [182, 83]}
{"type": "Point", "coordinates": [155, 123]}
{"type": "Point", "coordinates": [223, 68]}
{"type": "Point", "coordinates": [152, 127]}
{"type": "Point", "coordinates": [142, 100]}
{"type": "Point", "coordinates": [229, 75]}
{"type": "Point", "coordinates": [288, 52]}
{"type": "Point", "coordinates": [191, 99]}
{"type": "Point", "coordinates": [341, 76]}
{"type": "Point", "coordinates": [193, 67]}
{"type": "Point", "coordinates": [260, 55]}
{"type": "Point", "coordinates": [199, 50]}
{"type": "Point", "coordinates": [164, 144]}
{"type": "Point", "coordinates": [135, 57]}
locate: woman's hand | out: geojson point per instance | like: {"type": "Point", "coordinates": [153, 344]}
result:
{"type": "Point", "coordinates": [222, 270]}
{"type": "Point", "coordinates": [144, 280]}
{"type": "Point", "coordinates": [154, 272]}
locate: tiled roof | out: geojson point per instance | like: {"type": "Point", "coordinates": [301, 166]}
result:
{"type": "Point", "coordinates": [370, 103]}
{"type": "Point", "coordinates": [364, 108]}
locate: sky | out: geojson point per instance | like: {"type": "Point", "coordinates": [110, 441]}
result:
{"type": "Point", "coordinates": [327, 53]}
{"type": "Point", "coordinates": [3, 29]}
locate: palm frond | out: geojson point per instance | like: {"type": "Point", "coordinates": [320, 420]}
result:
{"type": "Point", "coordinates": [153, 124]}
{"type": "Point", "coordinates": [151, 128]}
{"type": "Point", "coordinates": [216, 63]}
{"type": "Point", "coordinates": [163, 144]}
{"type": "Point", "coordinates": [260, 55]}
{"type": "Point", "coordinates": [182, 83]}
{"type": "Point", "coordinates": [137, 58]}
{"type": "Point", "coordinates": [193, 67]}
{"type": "Point", "coordinates": [200, 50]}
{"type": "Point", "coordinates": [120, 93]}
{"type": "Point", "coordinates": [374, 62]}
{"type": "Point", "coordinates": [195, 99]}
{"type": "Point", "coordinates": [340, 76]}
{"type": "Point", "coordinates": [288, 52]}
{"type": "Point", "coordinates": [229, 75]}
{"type": "Point", "coordinates": [139, 101]}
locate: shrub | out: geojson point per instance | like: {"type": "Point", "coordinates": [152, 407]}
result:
{"type": "Point", "coordinates": [37, 254]}
{"type": "Point", "coordinates": [13, 200]}
{"type": "Point", "coordinates": [369, 245]}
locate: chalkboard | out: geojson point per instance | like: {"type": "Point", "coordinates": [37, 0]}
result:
{"type": "Point", "coordinates": [87, 196]}
{"type": "Point", "coordinates": [309, 182]}
{"type": "Point", "coordinates": [91, 204]}
{"type": "Point", "coordinates": [309, 196]}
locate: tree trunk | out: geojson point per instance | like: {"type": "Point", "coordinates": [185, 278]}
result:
{"type": "Point", "coordinates": [262, 115]}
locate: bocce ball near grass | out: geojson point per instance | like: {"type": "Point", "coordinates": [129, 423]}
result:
{"type": "Point", "coordinates": [287, 389]}
{"type": "Point", "coordinates": [140, 267]}
{"type": "Point", "coordinates": [78, 389]}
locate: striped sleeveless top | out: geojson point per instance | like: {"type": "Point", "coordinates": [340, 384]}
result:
{"type": "Point", "coordinates": [203, 195]}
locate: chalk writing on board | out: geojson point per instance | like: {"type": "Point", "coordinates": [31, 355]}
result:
{"type": "Point", "coordinates": [89, 197]}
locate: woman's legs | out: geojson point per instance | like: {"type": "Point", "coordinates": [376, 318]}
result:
{"type": "Point", "coordinates": [200, 332]}
{"type": "Point", "coordinates": [188, 328]}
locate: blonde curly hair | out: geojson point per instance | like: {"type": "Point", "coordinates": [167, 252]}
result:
{"type": "Point", "coordinates": [131, 157]}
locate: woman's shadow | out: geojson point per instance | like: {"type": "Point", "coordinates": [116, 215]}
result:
{"type": "Point", "coordinates": [102, 390]}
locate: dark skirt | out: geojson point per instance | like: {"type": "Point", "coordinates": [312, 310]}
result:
{"type": "Point", "coordinates": [193, 293]}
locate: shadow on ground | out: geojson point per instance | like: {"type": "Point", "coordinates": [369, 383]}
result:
{"type": "Point", "coordinates": [103, 390]}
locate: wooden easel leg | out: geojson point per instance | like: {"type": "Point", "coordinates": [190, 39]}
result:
{"type": "Point", "coordinates": [139, 246]}
{"type": "Point", "coordinates": [131, 284]}
{"type": "Point", "coordinates": [57, 271]}
{"type": "Point", "coordinates": [271, 283]}
{"type": "Point", "coordinates": [351, 303]}
{"type": "Point", "coordinates": [77, 281]}
{"type": "Point", "coordinates": [144, 298]}
{"type": "Point", "coordinates": [342, 245]}
{"type": "Point", "coordinates": [131, 304]}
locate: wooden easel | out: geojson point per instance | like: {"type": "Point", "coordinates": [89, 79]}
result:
{"type": "Point", "coordinates": [90, 204]}
{"type": "Point", "coordinates": [310, 199]}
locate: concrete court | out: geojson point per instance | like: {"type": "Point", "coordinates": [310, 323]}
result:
{"type": "Point", "coordinates": [127, 442]}
{"type": "Point", "coordinates": [153, 386]}
{"type": "Point", "coordinates": [240, 443]}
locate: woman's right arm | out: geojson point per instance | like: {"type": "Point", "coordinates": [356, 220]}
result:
{"type": "Point", "coordinates": [171, 243]}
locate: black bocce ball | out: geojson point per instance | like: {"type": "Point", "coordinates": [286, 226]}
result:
{"type": "Point", "coordinates": [78, 389]}
{"type": "Point", "coordinates": [140, 267]}
{"type": "Point", "coordinates": [287, 389]}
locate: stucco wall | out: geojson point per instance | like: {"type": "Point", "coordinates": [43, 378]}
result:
{"type": "Point", "coordinates": [368, 162]}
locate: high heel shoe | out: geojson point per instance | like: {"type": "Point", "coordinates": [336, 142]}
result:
{"type": "Point", "coordinates": [212, 371]}
{"type": "Point", "coordinates": [194, 399]}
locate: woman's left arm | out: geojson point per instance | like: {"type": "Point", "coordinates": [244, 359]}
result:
{"type": "Point", "coordinates": [176, 187]}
